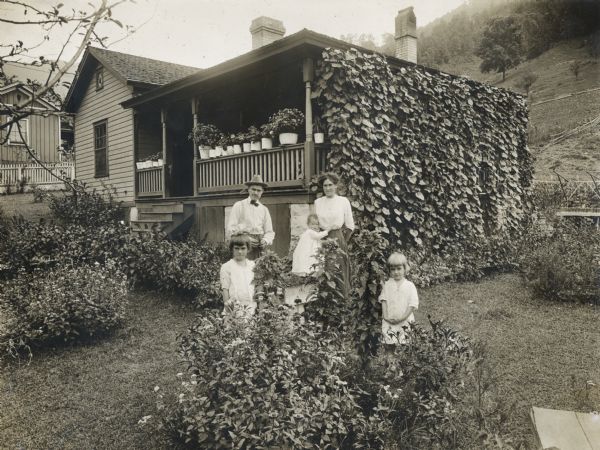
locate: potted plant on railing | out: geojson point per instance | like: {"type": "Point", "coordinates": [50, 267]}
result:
{"type": "Point", "coordinates": [253, 135]}
{"type": "Point", "coordinates": [318, 131]}
{"type": "Point", "coordinates": [205, 136]}
{"type": "Point", "coordinates": [219, 149]}
{"type": "Point", "coordinates": [287, 123]}
{"type": "Point", "coordinates": [238, 140]}
{"type": "Point", "coordinates": [266, 136]}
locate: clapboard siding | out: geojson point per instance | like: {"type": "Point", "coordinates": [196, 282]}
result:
{"type": "Point", "coordinates": [106, 105]}
{"type": "Point", "coordinates": [43, 136]}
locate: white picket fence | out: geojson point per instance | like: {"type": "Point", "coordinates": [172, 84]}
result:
{"type": "Point", "coordinates": [14, 174]}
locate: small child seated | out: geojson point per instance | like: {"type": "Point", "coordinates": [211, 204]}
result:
{"type": "Point", "coordinates": [398, 299]}
{"type": "Point", "coordinates": [304, 257]}
{"type": "Point", "coordinates": [237, 276]}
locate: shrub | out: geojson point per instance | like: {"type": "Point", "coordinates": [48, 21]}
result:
{"type": "Point", "coordinates": [563, 262]}
{"type": "Point", "coordinates": [269, 382]}
{"type": "Point", "coordinates": [84, 207]}
{"type": "Point", "coordinates": [65, 304]}
{"type": "Point", "coordinates": [31, 246]}
{"type": "Point", "coordinates": [190, 268]}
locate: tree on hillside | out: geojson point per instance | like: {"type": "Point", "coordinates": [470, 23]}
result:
{"type": "Point", "coordinates": [61, 27]}
{"type": "Point", "coordinates": [526, 81]}
{"type": "Point", "coordinates": [500, 48]}
{"type": "Point", "coordinates": [575, 67]}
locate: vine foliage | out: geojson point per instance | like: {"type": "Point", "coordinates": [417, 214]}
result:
{"type": "Point", "coordinates": [429, 160]}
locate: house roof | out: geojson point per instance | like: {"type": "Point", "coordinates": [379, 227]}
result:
{"type": "Point", "coordinates": [303, 43]}
{"type": "Point", "coordinates": [20, 87]}
{"type": "Point", "coordinates": [129, 69]}
{"type": "Point", "coordinates": [22, 72]}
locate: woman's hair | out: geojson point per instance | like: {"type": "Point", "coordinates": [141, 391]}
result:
{"type": "Point", "coordinates": [398, 259]}
{"type": "Point", "coordinates": [239, 240]}
{"type": "Point", "coordinates": [328, 176]}
{"type": "Point", "coordinates": [313, 217]}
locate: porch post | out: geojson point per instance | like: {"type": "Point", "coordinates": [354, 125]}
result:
{"type": "Point", "coordinates": [309, 145]}
{"type": "Point", "coordinates": [195, 168]}
{"type": "Point", "coordinates": [163, 123]}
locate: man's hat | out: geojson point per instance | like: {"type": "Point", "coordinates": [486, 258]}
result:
{"type": "Point", "coordinates": [256, 180]}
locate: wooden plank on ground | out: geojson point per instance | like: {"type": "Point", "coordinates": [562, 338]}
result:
{"type": "Point", "coordinates": [590, 423]}
{"type": "Point", "coordinates": [562, 430]}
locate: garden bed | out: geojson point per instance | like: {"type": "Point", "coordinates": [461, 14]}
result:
{"type": "Point", "coordinates": [92, 396]}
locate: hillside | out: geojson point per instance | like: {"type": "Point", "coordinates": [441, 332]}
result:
{"type": "Point", "coordinates": [576, 154]}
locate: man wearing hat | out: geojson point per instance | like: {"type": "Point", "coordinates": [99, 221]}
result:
{"type": "Point", "coordinates": [252, 218]}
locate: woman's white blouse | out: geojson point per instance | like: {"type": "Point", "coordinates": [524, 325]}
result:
{"type": "Point", "coordinates": [334, 212]}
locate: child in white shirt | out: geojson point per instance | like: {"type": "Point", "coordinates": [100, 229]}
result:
{"type": "Point", "coordinates": [237, 280]}
{"type": "Point", "coordinates": [399, 299]}
{"type": "Point", "coordinates": [304, 257]}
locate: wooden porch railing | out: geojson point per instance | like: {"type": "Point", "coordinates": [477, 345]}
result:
{"type": "Point", "coordinates": [279, 167]}
{"type": "Point", "coordinates": [149, 182]}
{"type": "Point", "coordinates": [35, 174]}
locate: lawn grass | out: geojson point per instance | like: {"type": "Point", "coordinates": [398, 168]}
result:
{"type": "Point", "coordinates": [92, 396]}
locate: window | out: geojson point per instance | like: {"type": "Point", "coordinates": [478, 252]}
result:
{"type": "Point", "coordinates": [100, 150]}
{"type": "Point", "coordinates": [14, 138]}
{"type": "Point", "coordinates": [99, 78]}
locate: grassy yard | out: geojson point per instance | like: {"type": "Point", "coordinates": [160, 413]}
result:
{"type": "Point", "coordinates": [92, 396]}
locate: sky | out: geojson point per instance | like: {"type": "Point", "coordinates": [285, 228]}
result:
{"type": "Point", "coordinates": [202, 33]}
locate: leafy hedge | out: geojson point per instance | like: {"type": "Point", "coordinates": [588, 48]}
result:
{"type": "Point", "coordinates": [65, 304]}
{"type": "Point", "coordinates": [429, 160]}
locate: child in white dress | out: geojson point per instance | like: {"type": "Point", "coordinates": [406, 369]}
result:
{"type": "Point", "coordinates": [304, 257]}
{"type": "Point", "coordinates": [237, 280]}
{"type": "Point", "coordinates": [399, 299]}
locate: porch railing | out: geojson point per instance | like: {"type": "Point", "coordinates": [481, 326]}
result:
{"type": "Point", "coordinates": [35, 174]}
{"type": "Point", "coordinates": [149, 181]}
{"type": "Point", "coordinates": [279, 167]}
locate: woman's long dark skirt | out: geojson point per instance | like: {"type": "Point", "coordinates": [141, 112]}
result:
{"type": "Point", "coordinates": [343, 262]}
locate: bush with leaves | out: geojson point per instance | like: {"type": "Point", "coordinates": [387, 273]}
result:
{"type": "Point", "coordinates": [268, 382]}
{"type": "Point", "coordinates": [87, 207]}
{"type": "Point", "coordinates": [562, 262]}
{"type": "Point", "coordinates": [65, 304]}
{"type": "Point", "coordinates": [190, 268]}
{"type": "Point", "coordinates": [32, 246]}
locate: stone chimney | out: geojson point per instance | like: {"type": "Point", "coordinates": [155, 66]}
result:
{"type": "Point", "coordinates": [406, 35]}
{"type": "Point", "coordinates": [265, 30]}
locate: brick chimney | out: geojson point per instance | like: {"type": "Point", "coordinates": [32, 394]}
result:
{"type": "Point", "coordinates": [265, 30]}
{"type": "Point", "coordinates": [406, 35]}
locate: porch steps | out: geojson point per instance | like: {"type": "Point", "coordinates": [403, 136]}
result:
{"type": "Point", "coordinates": [172, 218]}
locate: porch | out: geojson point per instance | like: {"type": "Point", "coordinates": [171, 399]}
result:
{"type": "Point", "coordinates": [280, 167]}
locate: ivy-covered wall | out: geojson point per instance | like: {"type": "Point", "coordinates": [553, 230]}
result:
{"type": "Point", "coordinates": [428, 159]}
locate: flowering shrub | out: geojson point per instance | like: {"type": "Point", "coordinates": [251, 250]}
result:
{"type": "Point", "coordinates": [269, 382]}
{"type": "Point", "coordinates": [562, 263]}
{"type": "Point", "coordinates": [65, 304]}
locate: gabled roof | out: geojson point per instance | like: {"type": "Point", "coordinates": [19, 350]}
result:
{"type": "Point", "coordinates": [20, 87]}
{"type": "Point", "coordinates": [303, 43]}
{"type": "Point", "coordinates": [129, 69]}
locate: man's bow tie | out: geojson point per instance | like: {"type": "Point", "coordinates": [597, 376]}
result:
{"type": "Point", "coordinates": [254, 202]}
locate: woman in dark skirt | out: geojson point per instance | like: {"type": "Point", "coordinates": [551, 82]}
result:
{"type": "Point", "coordinates": [335, 215]}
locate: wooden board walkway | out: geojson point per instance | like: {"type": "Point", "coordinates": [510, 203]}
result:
{"type": "Point", "coordinates": [566, 430]}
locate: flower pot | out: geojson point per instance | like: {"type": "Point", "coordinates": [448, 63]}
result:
{"type": "Point", "coordinates": [237, 149]}
{"type": "Point", "coordinates": [146, 164]}
{"type": "Point", "coordinates": [229, 150]}
{"type": "Point", "coordinates": [266, 143]}
{"type": "Point", "coordinates": [139, 165]}
{"type": "Point", "coordinates": [204, 151]}
{"type": "Point", "coordinates": [160, 162]}
{"type": "Point", "coordinates": [215, 152]}
{"type": "Point", "coordinates": [255, 146]}
{"type": "Point", "coordinates": [319, 138]}
{"type": "Point", "coordinates": [154, 163]}
{"type": "Point", "coordinates": [288, 138]}
{"type": "Point", "coordinates": [246, 147]}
